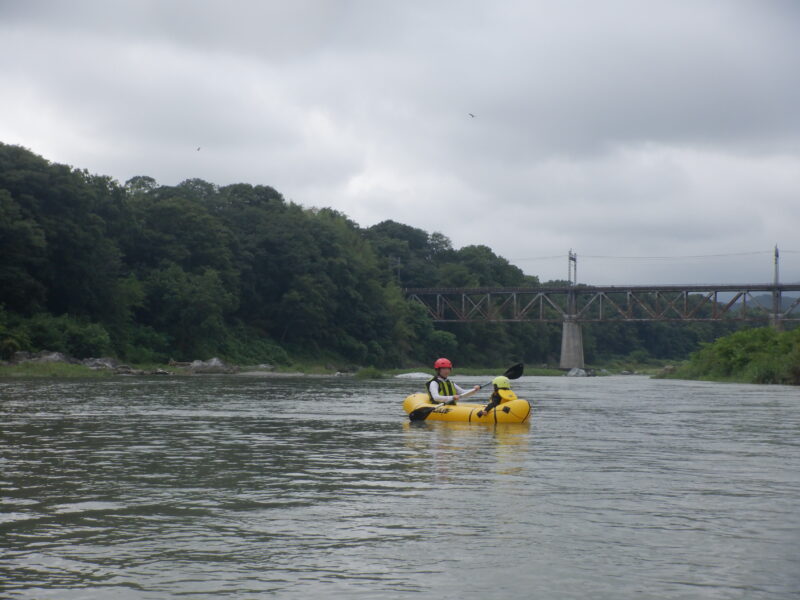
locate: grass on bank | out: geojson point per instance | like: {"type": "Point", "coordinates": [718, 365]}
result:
{"type": "Point", "coordinates": [59, 370]}
{"type": "Point", "coordinates": [71, 371]}
{"type": "Point", "coordinates": [66, 370]}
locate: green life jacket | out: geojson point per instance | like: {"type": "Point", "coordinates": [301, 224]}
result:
{"type": "Point", "coordinates": [446, 388]}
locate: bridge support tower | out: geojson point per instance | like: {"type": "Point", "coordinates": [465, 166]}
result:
{"type": "Point", "coordinates": [571, 346]}
{"type": "Point", "coordinates": [571, 336]}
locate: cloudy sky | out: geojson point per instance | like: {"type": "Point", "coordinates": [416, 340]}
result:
{"type": "Point", "coordinates": [660, 140]}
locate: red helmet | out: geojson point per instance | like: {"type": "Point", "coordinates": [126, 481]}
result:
{"type": "Point", "coordinates": [442, 363]}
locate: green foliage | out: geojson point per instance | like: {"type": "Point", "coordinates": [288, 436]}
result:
{"type": "Point", "coordinates": [442, 343]}
{"type": "Point", "coordinates": [55, 370]}
{"type": "Point", "coordinates": [149, 272]}
{"type": "Point", "coordinates": [369, 373]}
{"type": "Point", "coordinates": [641, 357]}
{"type": "Point", "coordinates": [73, 336]}
{"type": "Point", "coordinates": [22, 246]}
{"type": "Point", "coordinates": [754, 356]}
{"type": "Point", "coordinates": [144, 345]}
{"type": "Point", "coordinates": [244, 346]}
{"type": "Point", "coordinates": [12, 339]}
{"type": "Point", "coordinates": [189, 308]}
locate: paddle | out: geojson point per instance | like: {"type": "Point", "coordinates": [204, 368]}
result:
{"type": "Point", "coordinates": [514, 372]}
{"type": "Point", "coordinates": [421, 413]}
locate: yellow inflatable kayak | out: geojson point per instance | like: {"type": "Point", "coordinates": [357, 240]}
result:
{"type": "Point", "coordinates": [419, 408]}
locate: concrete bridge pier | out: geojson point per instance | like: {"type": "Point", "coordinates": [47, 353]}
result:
{"type": "Point", "coordinates": [571, 346]}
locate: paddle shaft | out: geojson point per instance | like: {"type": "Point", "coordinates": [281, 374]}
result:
{"type": "Point", "coordinates": [421, 413]}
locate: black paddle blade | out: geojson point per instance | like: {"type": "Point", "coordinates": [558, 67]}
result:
{"type": "Point", "coordinates": [514, 372]}
{"type": "Point", "coordinates": [421, 413]}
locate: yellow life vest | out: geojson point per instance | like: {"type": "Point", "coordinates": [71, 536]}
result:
{"type": "Point", "coordinates": [506, 395]}
{"type": "Point", "coordinates": [446, 387]}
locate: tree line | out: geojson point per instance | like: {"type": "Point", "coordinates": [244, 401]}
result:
{"type": "Point", "coordinates": [149, 272]}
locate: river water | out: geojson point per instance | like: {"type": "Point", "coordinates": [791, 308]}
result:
{"type": "Point", "coordinates": [241, 487]}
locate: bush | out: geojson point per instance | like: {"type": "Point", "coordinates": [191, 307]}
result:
{"type": "Point", "coordinates": [369, 373]}
{"type": "Point", "coordinates": [441, 343]}
{"type": "Point", "coordinates": [66, 334]}
{"type": "Point", "coordinates": [12, 337]}
{"type": "Point", "coordinates": [752, 356]}
{"type": "Point", "coordinates": [145, 345]}
{"type": "Point", "coordinates": [639, 357]}
{"type": "Point", "coordinates": [246, 346]}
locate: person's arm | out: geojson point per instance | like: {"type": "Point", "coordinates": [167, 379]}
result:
{"type": "Point", "coordinates": [493, 402]}
{"type": "Point", "coordinates": [462, 393]}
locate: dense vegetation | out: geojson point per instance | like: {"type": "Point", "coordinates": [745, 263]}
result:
{"type": "Point", "coordinates": [750, 356]}
{"type": "Point", "coordinates": [148, 272]}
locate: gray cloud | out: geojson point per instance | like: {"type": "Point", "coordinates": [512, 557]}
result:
{"type": "Point", "coordinates": [621, 128]}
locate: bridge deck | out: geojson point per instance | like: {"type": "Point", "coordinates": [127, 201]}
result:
{"type": "Point", "coordinates": [607, 303]}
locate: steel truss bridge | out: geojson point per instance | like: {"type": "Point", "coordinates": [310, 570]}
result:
{"type": "Point", "coordinates": [607, 303]}
{"type": "Point", "coordinates": [577, 304]}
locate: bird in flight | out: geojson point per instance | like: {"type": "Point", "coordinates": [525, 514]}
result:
{"type": "Point", "coordinates": [198, 148]}
{"type": "Point", "coordinates": [471, 115]}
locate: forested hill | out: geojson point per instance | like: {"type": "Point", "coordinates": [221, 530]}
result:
{"type": "Point", "coordinates": [148, 272]}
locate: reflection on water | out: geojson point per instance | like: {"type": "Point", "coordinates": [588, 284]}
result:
{"type": "Point", "coordinates": [498, 447]}
{"type": "Point", "coordinates": [232, 487]}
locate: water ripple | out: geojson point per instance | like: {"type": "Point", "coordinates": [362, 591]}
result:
{"type": "Point", "coordinates": [224, 487]}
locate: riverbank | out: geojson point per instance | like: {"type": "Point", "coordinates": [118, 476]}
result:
{"type": "Point", "coordinates": [58, 365]}
{"type": "Point", "coordinates": [66, 370]}
{"type": "Point", "coordinates": [76, 371]}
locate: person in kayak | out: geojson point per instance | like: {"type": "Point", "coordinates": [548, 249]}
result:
{"type": "Point", "coordinates": [502, 393]}
{"type": "Point", "coordinates": [443, 391]}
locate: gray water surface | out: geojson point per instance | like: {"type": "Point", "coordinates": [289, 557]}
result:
{"type": "Point", "coordinates": [234, 487]}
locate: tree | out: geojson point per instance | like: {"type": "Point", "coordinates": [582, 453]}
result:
{"type": "Point", "coordinates": [190, 307]}
{"type": "Point", "coordinates": [23, 248]}
{"type": "Point", "coordinates": [194, 269]}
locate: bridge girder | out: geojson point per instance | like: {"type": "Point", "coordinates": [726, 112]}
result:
{"type": "Point", "coordinates": [607, 303]}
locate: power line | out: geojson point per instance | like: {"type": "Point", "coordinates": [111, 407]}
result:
{"type": "Point", "coordinates": [683, 257]}
{"type": "Point", "coordinates": [559, 256]}
{"type": "Point", "coordinates": [680, 257]}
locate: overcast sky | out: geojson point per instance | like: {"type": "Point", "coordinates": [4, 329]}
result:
{"type": "Point", "coordinates": [625, 130]}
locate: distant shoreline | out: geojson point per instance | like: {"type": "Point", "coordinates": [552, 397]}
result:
{"type": "Point", "coordinates": [54, 364]}
{"type": "Point", "coordinates": [70, 370]}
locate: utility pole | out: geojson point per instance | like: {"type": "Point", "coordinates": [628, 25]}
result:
{"type": "Point", "coordinates": [572, 265]}
{"type": "Point", "coordinates": [777, 264]}
{"type": "Point", "coordinates": [776, 295]}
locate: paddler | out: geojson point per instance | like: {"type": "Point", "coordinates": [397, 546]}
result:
{"type": "Point", "coordinates": [502, 393]}
{"type": "Point", "coordinates": [443, 391]}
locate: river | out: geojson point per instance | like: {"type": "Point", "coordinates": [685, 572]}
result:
{"type": "Point", "coordinates": [240, 487]}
